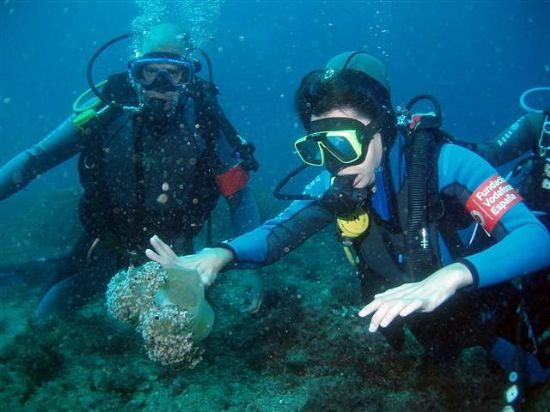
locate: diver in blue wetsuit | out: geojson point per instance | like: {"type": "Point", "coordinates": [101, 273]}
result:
{"type": "Point", "coordinates": [527, 139]}
{"type": "Point", "coordinates": [154, 156]}
{"type": "Point", "coordinates": [400, 201]}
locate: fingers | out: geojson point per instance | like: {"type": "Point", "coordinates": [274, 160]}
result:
{"type": "Point", "coordinates": [385, 314]}
{"type": "Point", "coordinates": [153, 256]}
{"type": "Point", "coordinates": [252, 305]}
{"type": "Point", "coordinates": [370, 308]}
{"type": "Point", "coordinates": [389, 316]}
{"type": "Point", "coordinates": [164, 255]}
{"type": "Point", "coordinates": [162, 248]}
{"type": "Point", "coordinates": [252, 301]}
{"type": "Point", "coordinates": [165, 248]}
{"type": "Point", "coordinates": [378, 316]}
{"type": "Point", "coordinates": [411, 307]}
{"type": "Point", "coordinates": [385, 311]}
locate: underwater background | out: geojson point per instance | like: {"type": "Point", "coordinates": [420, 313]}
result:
{"type": "Point", "coordinates": [305, 349]}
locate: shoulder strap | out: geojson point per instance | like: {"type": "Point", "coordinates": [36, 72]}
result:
{"type": "Point", "coordinates": [214, 120]}
{"type": "Point", "coordinates": [202, 94]}
{"type": "Point", "coordinates": [439, 214]}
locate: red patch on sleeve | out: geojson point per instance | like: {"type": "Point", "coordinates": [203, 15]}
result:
{"type": "Point", "coordinates": [233, 180]}
{"type": "Point", "coordinates": [491, 200]}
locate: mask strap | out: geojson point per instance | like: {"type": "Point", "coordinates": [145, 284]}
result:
{"type": "Point", "coordinates": [374, 127]}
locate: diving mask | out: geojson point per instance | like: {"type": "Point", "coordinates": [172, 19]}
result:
{"type": "Point", "coordinates": [161, 73]}
{"type": "Point", "coordinates": [343, 140]}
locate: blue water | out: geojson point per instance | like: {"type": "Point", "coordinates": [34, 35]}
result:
{"type": "Point", "coordinates": [476, 57]}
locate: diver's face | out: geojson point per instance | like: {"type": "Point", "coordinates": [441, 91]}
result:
{"type": "Point", "coordinates": [171, 72]}
{"type": "Point", "coordinates": [365, 170]}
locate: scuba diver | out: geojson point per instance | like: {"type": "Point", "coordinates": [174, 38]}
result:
{"type": "Point", "coordinates": [155, 152]}
{"type": "Point", "coordinates": [525, 144]}
{"type": "Point", "coordinates": [528, 138]}
{"type": "Point", "coordinates": [400, 194]}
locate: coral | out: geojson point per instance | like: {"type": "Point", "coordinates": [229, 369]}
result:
{"type": "Point", "coordinates": [167, 338]}
{"type": "Point", "coordinates": [132, 291]}
{"type": "Point", "coordinates": [136, 296]}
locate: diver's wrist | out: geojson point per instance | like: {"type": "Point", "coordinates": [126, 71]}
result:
{"type": "Point", "coordinates": [225, 255]}
{"type": "Point", "coordinates": [462, 277]}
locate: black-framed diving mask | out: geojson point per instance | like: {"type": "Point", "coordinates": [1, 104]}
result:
{"type": "Point", "coordinates": [162, 73]}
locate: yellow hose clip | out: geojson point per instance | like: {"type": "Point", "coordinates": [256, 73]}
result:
{"type": "Point", "coordinates": [351, 227]}
{"type": "Point", "coordinates": [354, 225]}
{"type": "Point", "coordinates": [85, 105]}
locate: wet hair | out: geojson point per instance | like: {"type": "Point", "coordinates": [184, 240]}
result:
{"type": "Point", "coordinates": [324, 90]}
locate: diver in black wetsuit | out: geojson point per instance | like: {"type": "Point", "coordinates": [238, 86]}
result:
{"type": "Point", "coordinates": [527, 139]}
{"type": "Point", "coordinates": [154, 161]}
{"type": "Point", "coordinates": [529, 136]}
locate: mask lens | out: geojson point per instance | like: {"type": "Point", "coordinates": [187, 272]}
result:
{"type": "Point", "coordinates": [341, 145]}
{"type": "Point", "coordinates": [310, 152]}
{"type": "Point", "coordinates": [147, 71]}
{"type": "Point", "coordinates": [148, 75]}
{"type": "Point", "coordinates": [179, 75]}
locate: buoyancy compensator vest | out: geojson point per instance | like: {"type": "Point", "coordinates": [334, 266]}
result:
{"type": "Point", "coordinates": [182, 204]}
{"type": "Point", "coordinates": [410, 238]}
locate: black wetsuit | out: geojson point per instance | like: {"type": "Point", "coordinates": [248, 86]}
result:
{"type": "Point", "coordinates": [139, 179]}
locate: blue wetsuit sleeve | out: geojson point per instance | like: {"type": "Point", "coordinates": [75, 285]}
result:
{"type": "Point", "coordinates": [523, 243]}
{"type": "Point", "coordinates": [278, 236]}
{"type": "Point", "coordinates": [58, 146]}
{"type": "Point", "coordinates": [244, 211]}
{"type": "Point", "coordinates": [242, 205]}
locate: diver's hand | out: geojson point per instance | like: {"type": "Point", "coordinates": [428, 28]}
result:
{"type": "Point", "coordinates": [424, 296]}
{"type": "Point", "coordinates": [253, 291]}
{"type": "Point", "coordinates": [207, 263]}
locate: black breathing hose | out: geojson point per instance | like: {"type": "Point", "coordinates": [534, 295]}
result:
{"type": "Point", "coordinates": [91, 63]}
{"type": "Point", "coordinates": [419, 242]}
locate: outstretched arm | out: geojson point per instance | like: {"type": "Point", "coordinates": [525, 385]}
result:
{"type": "Point", "coordinates": [57, 147]}
{"type": "Point", "coordinates": [522, 247]}
{"type": "Point", "coordinates": [208, 262]}
{"type": "Point", "coordinates": [424, 296]}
